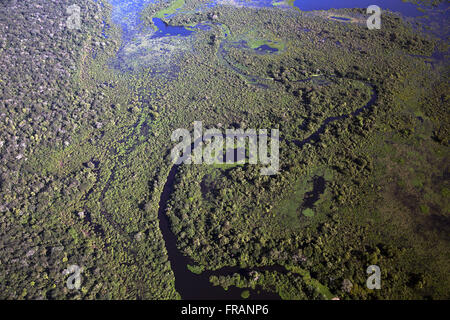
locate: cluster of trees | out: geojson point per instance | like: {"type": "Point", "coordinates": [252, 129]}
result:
{"type": "Point", "coordinates": [230, 216]}
{"type": "Point", "coordinates": [64, 114]}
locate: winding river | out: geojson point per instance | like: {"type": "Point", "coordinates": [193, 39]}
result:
{"type": "Point", "coordinates": [187, 283]}
{"type": "Point", "coordinates": [194, 286]}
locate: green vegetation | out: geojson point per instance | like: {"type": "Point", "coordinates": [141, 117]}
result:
{"type": "Point", "coordinates": [245, 294]}
{"type": "Point", "coordinates": [85, 154]}
{"type": "Point", "coordinates": [176, 4]}
{"type": "Point", "coordinates": [196, 269]}
{"type": "Point", "coordinates": [257, 43]}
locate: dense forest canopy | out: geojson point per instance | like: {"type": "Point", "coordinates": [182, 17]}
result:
{"type": "Point", "coordinates": [86, 117]}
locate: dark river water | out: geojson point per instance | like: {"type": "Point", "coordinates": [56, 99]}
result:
{"type": "Point", "coordinates": [190, 285]}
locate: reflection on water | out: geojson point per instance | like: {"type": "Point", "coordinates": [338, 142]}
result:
{"type": "Point", "coordinates": [166, 30]}
{"type": "Point", "coordinates": [407, 9]}
{"type": "Point", "coordinates": [126, 13]}
{"type": "Point", "coordinates": [266, 49]}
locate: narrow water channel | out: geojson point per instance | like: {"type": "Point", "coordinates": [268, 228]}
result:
{"type": "Point", "coordinates": [190, 285]}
